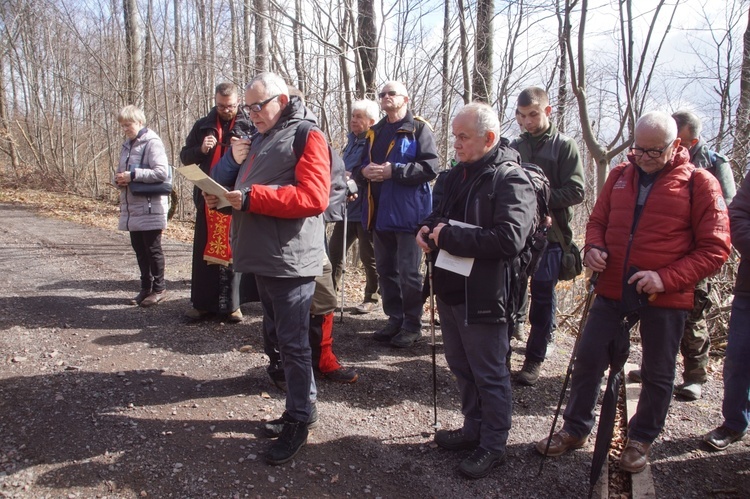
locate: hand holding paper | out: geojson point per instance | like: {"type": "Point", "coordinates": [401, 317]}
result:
{"type": "Point", "coordinates": [208, 185]}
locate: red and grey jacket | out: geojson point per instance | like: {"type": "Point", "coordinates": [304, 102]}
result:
{"type": "Point", "coordinates": [682, 232]}
{"type": "Point", "coordinates": [281, 232]}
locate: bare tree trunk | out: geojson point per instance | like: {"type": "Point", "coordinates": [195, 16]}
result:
{"type": "Point", "coordinates": [445, 88]}
{"type": "Point", "coordinates": [563, 33]}
{"type": "Point", "coordinates": [247, 39]}
{"type": "Point", "coordinates": [7, 144]}
{"type": "Point", "coordinates": [464, 48]}
{"type": "Point", "coordinates": [133, 43]}
{"type": "Point", "coordinates": [261, 36]}
{"type": "Point", "coordinates": [345, 29]}
{"type": "Point", "coordinates": [482, 77]}
{"type": "Point", "coordinates": [299, 57]}
{"type": "Point", "coordinates": [742, 120]}
{"type": "Point", "coordinates": [235, 24]}
{"type": "Point", "coordinates": [367, 48]}
{"type": "Point", "coordinates": [148, 58]}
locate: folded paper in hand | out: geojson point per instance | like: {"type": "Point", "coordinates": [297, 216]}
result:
{"type": "Point", "coordinates": [458, 264]}
{"type": "Point", "coordinates": [205, 183]}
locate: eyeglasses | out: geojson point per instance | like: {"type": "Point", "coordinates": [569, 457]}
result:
{"type": "Point", "coordinates": [651, 153]}
{"type": "Point", "coordinates": [391, 93]}
{"type": "Point", "coordinates": [258, 106]}
{"type": "Point", "coordinates": [226, 107]}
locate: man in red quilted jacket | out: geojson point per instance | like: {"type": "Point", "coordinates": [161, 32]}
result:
{"type": "Point", "coordinates": [658, 227]}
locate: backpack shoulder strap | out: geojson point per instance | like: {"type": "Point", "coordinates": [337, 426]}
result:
{"type": "Point", "coordinates": [300, 137]}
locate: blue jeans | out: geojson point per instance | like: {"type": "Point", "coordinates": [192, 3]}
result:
{"type": "Point", "coordinates": [397, 259]}
{"type": "Point", "coordinates": [661, 331]}
{"type": "Point", "coordinates": [543, 309]}
{"type": "Point", "coordinates": [476, 356]}
{"type": "Point", "coordinates": [286, 321]}
{"type": "Point", "coordinates": [736, 406]}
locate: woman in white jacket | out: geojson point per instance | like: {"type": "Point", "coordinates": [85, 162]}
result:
{"type": "Point", "coordinates": [143, 159]}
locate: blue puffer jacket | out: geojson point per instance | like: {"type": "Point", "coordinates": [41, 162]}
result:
{"type": "Point", "coordinates": [406, 198]}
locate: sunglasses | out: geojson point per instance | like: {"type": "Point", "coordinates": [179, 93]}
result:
{"type": "Point", "coordinates": [391, 93]}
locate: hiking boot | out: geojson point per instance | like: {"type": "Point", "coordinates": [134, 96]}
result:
{"type": "Point", "coordinates": [342, 375]}
{"type": "Point", "coordinates": [562, 442]}
{"type": "Point", "coordinates": [519, 332]}
{"type": "Point", "coordinates": [455, 440]}
{"type": "Point", "coordinates": [364, 308]}
{"type": "Point", "coordinates": [634, 376]}
{"type": "Point", "coordinates": [405, 338]}
{"type": "Point", "coordinates": [137, 299]}
{"type": "Point", "coordinates": [722, 437]}
{"type": "Point", "coordinates": [235, 317]}
{"type": "Point", "coordinates": [529, 373]}
{"type": "Point", "coordinates": [195, 314]}
{"type": "Point", "coordinates": [279, 381]}
{"type": "Point", "coordinates": [634, 457]}
{"type": "Point", "coordinates": [293, 436]}
{"type": "Point", "coordinates": [480, 463]}
{"type": "Point", "coordinates": [689, 390]}
{"type": "Point", "coordinates": [273, 428]}
{"type": "Point", "coordinates": [385, 334]}
{"type": "Point", "coordinates": [154, 298]}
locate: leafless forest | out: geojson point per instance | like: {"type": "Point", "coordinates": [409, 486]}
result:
{"type": "Point", "coordinates": [67, 67]}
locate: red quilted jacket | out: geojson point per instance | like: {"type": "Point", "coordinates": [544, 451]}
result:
{"type": "Point", "coordinates": [682, 233]}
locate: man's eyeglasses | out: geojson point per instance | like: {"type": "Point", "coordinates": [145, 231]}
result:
{"type": "Point", "coordinates": [391, 93]}
{"type": "Point", "coordinates": [651, 153]}
{"type": "Point", "coordinates": [226, 107]}
{"type": "Point", "coordinates": [258, 106]}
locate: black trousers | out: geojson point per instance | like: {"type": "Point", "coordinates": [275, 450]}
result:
{"type": "Point", "coordinates": [148, 252]}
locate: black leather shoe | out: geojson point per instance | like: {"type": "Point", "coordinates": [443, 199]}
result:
{"type": "Point", "coordinates": [385, 334]}
{"type": "Point", "coordinates": [273, 428]}
{"type": "Point", "coordinates": [480, 463]}
{"type": "Point", "coordinates": [293, 437]}
{"type": "Point", "coordinates": [722, 437]}
{"type": "Point", "coordinates": [455, 440]}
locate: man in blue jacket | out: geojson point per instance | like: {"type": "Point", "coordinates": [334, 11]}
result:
{"type": "Point", "coordinates": [399, 162]}
{"type": "Point", "coordinates": [488, 190]}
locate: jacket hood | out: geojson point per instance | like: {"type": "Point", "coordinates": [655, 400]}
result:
{"type": "Point", "coordinates": [295, 111]}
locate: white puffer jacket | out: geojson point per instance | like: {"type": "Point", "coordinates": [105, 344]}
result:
{"type": "Point", "coordinates": [138, 213]}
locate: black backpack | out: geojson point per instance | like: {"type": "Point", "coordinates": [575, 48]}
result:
{"type": "Point", "coordinates": [337, 196]}
{"type": "Point", "coordinates": [527, 262]}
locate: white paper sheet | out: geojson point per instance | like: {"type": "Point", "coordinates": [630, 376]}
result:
{"type": "Point", "coordinates": [458, 264]}
{"type": "Point", "coordinates": [194, 174]}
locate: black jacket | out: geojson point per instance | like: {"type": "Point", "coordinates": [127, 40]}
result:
{"type": "Point", "coordinates": [739, 218]}
{"type": "Point", "coordinates": [495, 194]}
{"type": "Point", "coordinates": [191, 153]}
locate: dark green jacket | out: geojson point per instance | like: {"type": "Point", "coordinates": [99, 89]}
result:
{"type": "Point", "coordinates": [557, 155]}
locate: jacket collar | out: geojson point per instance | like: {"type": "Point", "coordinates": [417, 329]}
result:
{"type": "Point", "coordinates": [407, 124]}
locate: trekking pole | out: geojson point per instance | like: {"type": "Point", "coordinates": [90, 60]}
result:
{"type": "Point", "coordinates": [435, 423]}
{"type": "Point", "coordinates": [584, 316]}
{"type": "Point", "coordinates": [343, 263]}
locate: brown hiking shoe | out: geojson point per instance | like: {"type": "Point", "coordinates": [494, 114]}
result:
{"type": "Point", "coordinates": [529, 373]}
{"type": "Point", "coordinates": [562, 442]}
{"type": "Point", "coordinates": [154, 298]}
{"type": "Point", "coordinates": [635, 456]}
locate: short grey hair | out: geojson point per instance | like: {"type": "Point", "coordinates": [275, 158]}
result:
{"type": "Point", "coordinates": [660, 121]}
{"type": "Point", "coordinates": [689, 120]}
{"type": "Point", "coordinates": [131, 114]}
{"type": "Point", "coordinates": [370, 108]}
{"type": "Point", "coordinates": [486, 118]}
{"type": "Point", "coordinates": [273, 83]}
